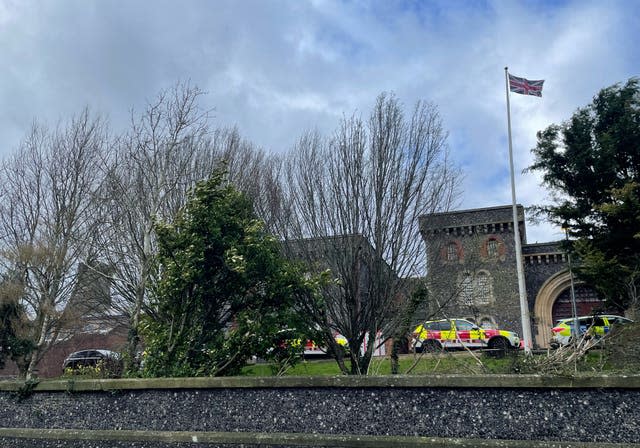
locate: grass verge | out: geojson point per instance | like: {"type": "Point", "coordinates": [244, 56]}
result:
{"type": "Point", "coordinates": [420, 364]}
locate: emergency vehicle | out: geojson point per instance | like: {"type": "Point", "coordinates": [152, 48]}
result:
{"type": "Point", "coordinates": [437, 335]}
{"type": "Point", "coordinates": [588, 326]}
{"type": "Point", "coordinates": [311, 348]}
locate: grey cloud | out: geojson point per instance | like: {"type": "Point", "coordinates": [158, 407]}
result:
{"type": "Point", "coordinates": [278, 68]}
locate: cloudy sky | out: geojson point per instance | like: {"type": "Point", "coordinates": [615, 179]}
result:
{"type": "Point", "coordinates": [277, 68]}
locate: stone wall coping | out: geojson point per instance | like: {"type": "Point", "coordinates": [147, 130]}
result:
{"type": "Point", "coordinates": [290, 439]}
{"type": "Point", "coordinates": [400, 381]}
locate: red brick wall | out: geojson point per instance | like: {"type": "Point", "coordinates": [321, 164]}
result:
{"type": "Point", "coordinates": [51, 364]}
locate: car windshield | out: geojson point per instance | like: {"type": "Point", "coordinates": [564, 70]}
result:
{"type": "Point", "coordinates": [619, 320]}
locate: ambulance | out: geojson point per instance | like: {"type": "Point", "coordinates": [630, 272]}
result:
{"type": "Point", "coordinates": [444, 334]}
{"type": "Point", "coordinates": [312, 349]}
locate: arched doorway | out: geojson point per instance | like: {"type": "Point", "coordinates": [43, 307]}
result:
{"type": "Point", "coordinates": [553, 302]}
{"type": "Point", "coordinates": [587, 301]}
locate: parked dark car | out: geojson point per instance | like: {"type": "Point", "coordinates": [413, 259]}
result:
{"type": "Point", "coordinates": [108, 359]}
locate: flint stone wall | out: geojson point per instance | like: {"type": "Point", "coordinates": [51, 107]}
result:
{"type": "Point", "coordinates": [405, 411]}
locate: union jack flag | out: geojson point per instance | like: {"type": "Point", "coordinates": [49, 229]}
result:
{"type": "Point", "coordinates": [525, 86]}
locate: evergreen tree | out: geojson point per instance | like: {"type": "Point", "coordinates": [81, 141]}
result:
{"type": "Point", "coordinates": [591, 164]}
{"type": "Point", "coordinates": [224, 293]}
{"type": "Point", "coordinates": [14, 326]}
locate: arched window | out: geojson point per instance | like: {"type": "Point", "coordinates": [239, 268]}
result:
{"type": "Point", "coordinates": [476, 289]}
{"type": "Point", "coordinates": [452, 252]}
{"type": "Point", "coordinates": [482, 288]}
{"type": "Point", "coordinates": [492, 248]}
{"type": "Point", "coordinates": [466, 289]}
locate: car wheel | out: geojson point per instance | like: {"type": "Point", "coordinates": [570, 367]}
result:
{"type": "Point", "coordinates": [498, 347]}
{"type": "Point", "coordinates": [431, 346]}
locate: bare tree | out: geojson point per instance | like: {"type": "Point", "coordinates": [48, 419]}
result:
{"type": "Point", "coordinates": [255, 173]}
{"type": "Point", "coordinates": [355, 201]}
{"type": "Point", "coordinates": [632, 293]}
{"type": "Point", "coordinates": [47, 222]}
{"type": "Point", "coordinates": [164, 154]}
{"type": "Point", "coordinates": [169, 148]}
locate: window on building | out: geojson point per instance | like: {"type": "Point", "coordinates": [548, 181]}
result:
{"type": "Point", "coordinates": [476, 289]}
{"type": "Point", "coordinates": [466, 289]}
{"type": "Point", "coordinates": [482, 289]}
{"type": "Point", "coordinates": [492, 248]}
{"type": "Point", "coordinates": [452, 252]}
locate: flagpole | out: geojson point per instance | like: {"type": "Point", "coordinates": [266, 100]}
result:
{"type": "Point", "coordinates": [524, 307]}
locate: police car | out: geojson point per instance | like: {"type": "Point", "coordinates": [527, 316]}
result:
{"type": "Point", "coordinates": [436, 335]}
{"type": "Point", "coordinates": [588, 326]}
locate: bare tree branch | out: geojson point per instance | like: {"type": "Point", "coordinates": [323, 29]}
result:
{"type": "Point", "coordinates": [355, 199]}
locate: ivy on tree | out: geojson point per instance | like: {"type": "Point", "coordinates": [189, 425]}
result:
{"type": "Point", "coordinates": [14, 343]}
{"type": "Point", "coordinates": [224, 293]}
{"type": "Point", "coordinates": [591, 164]}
